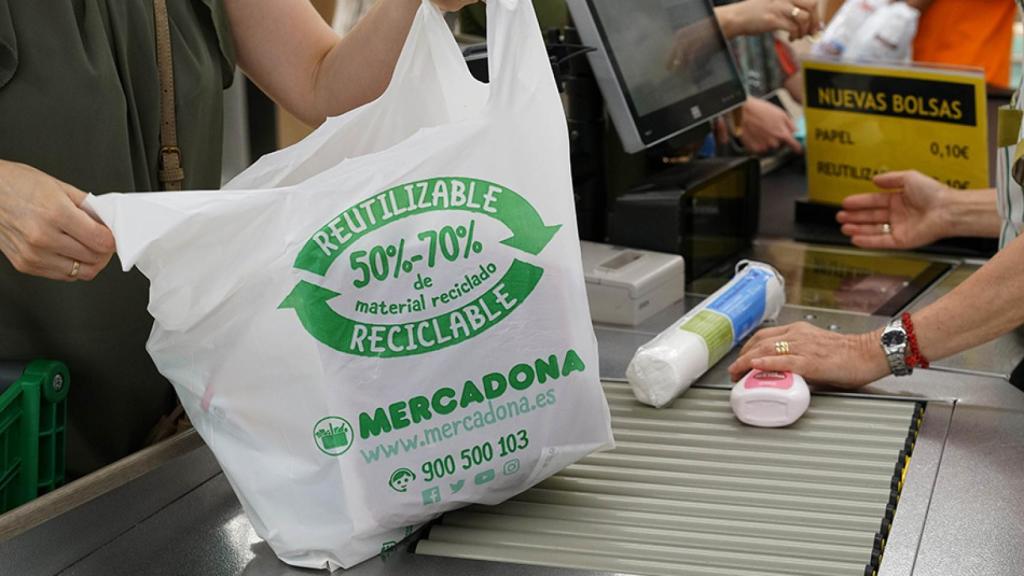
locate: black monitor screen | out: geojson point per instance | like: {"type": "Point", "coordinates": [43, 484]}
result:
{"type": "Point", "coordinates": [650, 40]}
{"type": "Point", "coordinates": [669, 64]}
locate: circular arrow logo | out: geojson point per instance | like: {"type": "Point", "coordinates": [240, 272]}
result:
{"type": "Point", "coordinates": [436, 308]}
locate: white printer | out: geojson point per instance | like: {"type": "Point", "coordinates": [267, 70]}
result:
{"type": "Point", "coordinates": [627, 286]}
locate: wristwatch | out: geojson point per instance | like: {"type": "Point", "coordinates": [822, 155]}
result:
{"type": "Point", "coordinates": [895, 345]}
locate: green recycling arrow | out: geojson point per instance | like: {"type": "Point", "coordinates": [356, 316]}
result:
{"type": "Point", "coordinates": [349, 336]}
{"type": "Point", "coordinates": [529, 233]}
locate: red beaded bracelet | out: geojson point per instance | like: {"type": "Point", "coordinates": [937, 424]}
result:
{"type": "Point", "coordinates": [915, 359]}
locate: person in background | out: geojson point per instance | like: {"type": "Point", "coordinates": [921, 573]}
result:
{"type": "Point", "coordinates": [81, 111]}
{"type": "Point", "coordinates": [798, 18]}
{"type": "Point", "coordinates": [976, 33]}
{"type": "Point", "coordinates": [767, 63]}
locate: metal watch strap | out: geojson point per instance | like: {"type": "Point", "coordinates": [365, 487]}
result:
{"type": "Point", "coordinates": [169, 167]}
{"type": "Point", "coordinates": [897, 365]}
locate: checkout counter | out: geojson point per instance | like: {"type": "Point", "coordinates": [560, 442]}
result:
{"type": "Point", "coordinates": [917, 476]}
{"type": "Point", "coordinates": [688, 490]}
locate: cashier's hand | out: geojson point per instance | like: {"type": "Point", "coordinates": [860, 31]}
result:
{"type": "Point", "coordinates": [751, 17]}
{"type": "Point", "coordinates": [43, 232]}
{"type": "Point", "coordinates": [910, 203]}
{"type": "Point", "coordinates": [820, 356]}
{"type": "Point", "coordinates": [766, 128]}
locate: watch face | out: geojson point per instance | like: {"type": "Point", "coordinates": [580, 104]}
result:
{"type": "Point", "coordinates": [894, 338]}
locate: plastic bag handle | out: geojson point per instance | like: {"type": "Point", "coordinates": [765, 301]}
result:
{"type": "Point", "coordinates": [428, 27]}
{"type": "Point", "coordinates": [517, 59]}
{"type": "Point", "coordinates": [446, 54]}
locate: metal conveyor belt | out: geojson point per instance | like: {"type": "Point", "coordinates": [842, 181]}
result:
{"type": "Point", "coordinates": [690, 491]}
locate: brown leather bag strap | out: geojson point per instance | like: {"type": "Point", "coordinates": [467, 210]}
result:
{"type": "Point", "coordinates": [169, 167]}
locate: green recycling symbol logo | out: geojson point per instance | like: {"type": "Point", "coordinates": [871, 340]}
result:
{"type": "Point", "coordinates": [479, 300]}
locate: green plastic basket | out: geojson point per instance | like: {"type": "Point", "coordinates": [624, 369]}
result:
{"type": "Point", "coordinates": [33, 424]}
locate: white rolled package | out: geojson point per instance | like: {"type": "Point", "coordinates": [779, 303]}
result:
{"type": "Point", "coordinates": [668, 365]}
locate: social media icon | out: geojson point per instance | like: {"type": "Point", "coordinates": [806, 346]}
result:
{"type": "Point", "coordinates": [511, 467]}
{"type": "Point", "coordinates": [484, 477]}
{"type": "Point", "coordinates": [431, 495]}
{"type": "Point", "coordinates": [457, 486]}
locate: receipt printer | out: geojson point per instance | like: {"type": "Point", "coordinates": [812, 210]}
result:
{"type": "Point", "coordinates": [627, 286]}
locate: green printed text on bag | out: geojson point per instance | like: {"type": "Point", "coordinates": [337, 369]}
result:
{"type": "Point", "coordinates": [395, 261]}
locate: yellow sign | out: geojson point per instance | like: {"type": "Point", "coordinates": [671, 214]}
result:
{"type": "Point", "coordinates": [865, 120]}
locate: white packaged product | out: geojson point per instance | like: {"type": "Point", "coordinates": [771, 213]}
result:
{"type": "Point", "coordinates": [847, 23]}
{"type": "Point", "coordinates": [387, 320]}
{"type": "Point", "coordinates": [887, 36]}
{"type": "Point", "coordinates": [668, 365]}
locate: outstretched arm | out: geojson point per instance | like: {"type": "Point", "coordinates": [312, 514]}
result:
{"type": "Point", "coordinates": [919, 210]}
{"type": "Point", "coordinates": [985, 306]}
{"type": "Point", "coordinates": [287, 49]}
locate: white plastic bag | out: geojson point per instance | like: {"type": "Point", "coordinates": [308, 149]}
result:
{"type": "Point", "coordinates": [845, 26]}
{"type": "Point", "coordinates": [886, 36]}
{"type": "Point", "coordinates": [398, 326]}
{"type": "Point", "coordinates": [669, 364]}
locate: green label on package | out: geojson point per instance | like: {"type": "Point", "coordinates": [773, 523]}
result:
{"type": "Point", "coordinates": [434, 307]}
{"type": "Point", "coordinates": [716, 331]}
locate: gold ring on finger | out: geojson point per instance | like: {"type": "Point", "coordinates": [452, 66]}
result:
{"type": "Point", "coordinates": [782, 347]}
{"type": "Point", "coordinates": [75, 266]}
{"type": "Point", "coordinates": [795, 13]}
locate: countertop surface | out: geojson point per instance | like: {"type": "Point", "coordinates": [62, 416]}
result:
{"type": "Point", "coordinates": [960, 513]}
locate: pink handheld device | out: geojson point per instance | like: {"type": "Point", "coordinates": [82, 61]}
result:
{"type": "Point", "coordinates": [770, 399]}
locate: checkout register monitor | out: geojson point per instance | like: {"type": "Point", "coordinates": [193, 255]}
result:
{"type": "Point", "coordinates": [663, 66]}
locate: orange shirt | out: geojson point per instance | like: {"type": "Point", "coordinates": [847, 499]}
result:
{"type": "Point", "coordinates": [968, 33]}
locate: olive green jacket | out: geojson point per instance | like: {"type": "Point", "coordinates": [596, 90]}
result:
{"type": "Point", "coordinates": [79, 100]}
